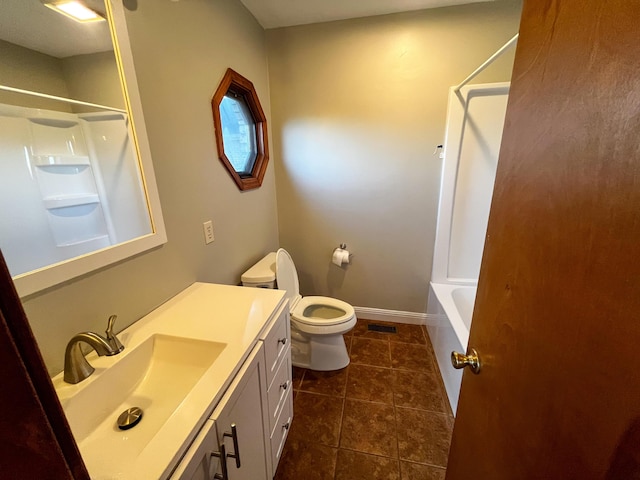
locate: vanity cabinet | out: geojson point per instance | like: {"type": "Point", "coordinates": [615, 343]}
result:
{"type": "Point", "coordinates": [252, 419]}
{"type": "Point", "coordinates": [244, 444]}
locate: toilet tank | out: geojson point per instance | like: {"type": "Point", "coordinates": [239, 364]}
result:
{"type": "Point", "coordinates": [262, 274]}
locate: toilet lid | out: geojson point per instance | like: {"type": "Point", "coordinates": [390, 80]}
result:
{"type": "Point", "coordinates": [287, 276]}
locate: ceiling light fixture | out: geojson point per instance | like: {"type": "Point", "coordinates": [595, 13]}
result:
{"type": "Point", "coordinates": [75, 10]}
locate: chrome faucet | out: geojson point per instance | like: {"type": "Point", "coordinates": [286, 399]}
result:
{"type": "Point", "coordinates": [76, 367]}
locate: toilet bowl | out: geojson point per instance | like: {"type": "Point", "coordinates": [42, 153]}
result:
{"type": "Point", "coordinates": [317, 323]}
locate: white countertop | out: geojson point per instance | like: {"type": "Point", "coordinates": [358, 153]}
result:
{"type": "Point", "coordinates": [220, 313]}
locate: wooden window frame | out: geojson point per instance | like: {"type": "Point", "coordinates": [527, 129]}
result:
{"type": "Point", "coordinates": [233, 82]}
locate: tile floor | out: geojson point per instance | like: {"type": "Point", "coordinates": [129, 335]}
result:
{"type": "Point", "coordinates": [384, 417]}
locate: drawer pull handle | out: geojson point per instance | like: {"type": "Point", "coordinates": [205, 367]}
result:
{"type": "Point", "coordinates": [222, 455]}
{"type": "Point", "coordinates": [286, 425]}
{"type": "Point", "coordinates": [283, 341]}
{"type": "Point", "coordinates": [285, 385]}
{"type": "Point", "coordinates": [236, 448]}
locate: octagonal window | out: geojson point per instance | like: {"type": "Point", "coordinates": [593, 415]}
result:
{"type": "Point", "coordinates": [238, 134]}
{"type": "Point", "coordinates": [241, 130]}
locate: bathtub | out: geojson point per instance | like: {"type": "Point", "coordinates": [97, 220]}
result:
{"type": "Point", "coordinates": [449, 314]}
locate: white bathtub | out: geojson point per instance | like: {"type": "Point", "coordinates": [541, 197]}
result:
{"type": "Point", "coordinates": [449, 312]}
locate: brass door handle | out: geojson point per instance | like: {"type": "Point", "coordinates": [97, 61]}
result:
{"type": "Point", "coordinates": [471, 360]}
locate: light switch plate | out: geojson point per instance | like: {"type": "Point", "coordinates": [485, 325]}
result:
{"type": "Point", "coordinates": [208, 232]}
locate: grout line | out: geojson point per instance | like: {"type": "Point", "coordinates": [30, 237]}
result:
{"type": "Point", "coordinates": [371, 366]}
{"type": "Point", "coordinates": [395, 422]}
{"type": "Point", "coordinates": [320, 394]}
{"type": "Point", "coordinates": [377, 339]}
{"type": "Point", "coordinates": [409, 342]}
{"type": "Point", "coordinates": [433, 465]}
{"type": "Point", "coordinates": [368, 453]}
{"type": "Point", "coordinates": [304, 370]}
{"type": "Point", "coordinates": [444, 414]}
{"type": "Point", "coordinates": [335, 472]}
{"type": "Point", "coordinates": [383, 404]}
{"type": "Point", "coordinates": [344, 406]}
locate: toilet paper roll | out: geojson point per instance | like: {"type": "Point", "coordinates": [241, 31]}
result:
{"type": "Point", "coordinates": [340, 257]}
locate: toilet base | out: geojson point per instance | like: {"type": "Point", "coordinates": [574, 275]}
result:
{"type": "Point", "coordinates": [318, 352]}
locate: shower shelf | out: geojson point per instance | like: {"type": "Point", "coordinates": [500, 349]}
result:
{"type": "Point", "coordinates": [63, 201]}
{"type": "Point", "coordinates": [97, 239]}
{"type": "Point", "coordinates": [60, 160]}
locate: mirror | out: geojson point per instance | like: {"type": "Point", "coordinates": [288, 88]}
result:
{"type": "Point", "coordinates": [77, 188]}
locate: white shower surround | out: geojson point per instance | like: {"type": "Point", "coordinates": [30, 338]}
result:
{"type": "Point", "coordinates": [71, 185]}
{"type": "Point", "coordinates": [475, 121]}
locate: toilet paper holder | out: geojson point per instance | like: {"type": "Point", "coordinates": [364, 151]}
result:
{"type": "Point", "coordinates": [343, 246]}
{"type": "Point", "coordinates": [339, 260]}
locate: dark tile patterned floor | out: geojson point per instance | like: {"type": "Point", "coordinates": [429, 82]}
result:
{"type": "Point", "coordinates": [384, 417]}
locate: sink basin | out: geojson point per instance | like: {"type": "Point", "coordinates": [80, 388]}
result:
{"type": "Point", "coordinates": [156, 376]}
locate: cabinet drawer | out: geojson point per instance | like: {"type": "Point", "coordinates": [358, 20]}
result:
{"type": "Point", "coordinates": [279, 435]}
{"type": "Point", "coordinates": [280, 390]}
{"type": "Point", "coordinates": [276, 340]}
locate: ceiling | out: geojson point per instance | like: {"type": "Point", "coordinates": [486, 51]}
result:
{"type": "Point", "coordinates": [32, 25]}
{"type": "Point", "coordinates": [29, 24]}
{"type": "Point", "coordinates": [285, 13]}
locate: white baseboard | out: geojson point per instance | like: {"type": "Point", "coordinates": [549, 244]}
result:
{"type": "Point", "coordinates": [394, 316]}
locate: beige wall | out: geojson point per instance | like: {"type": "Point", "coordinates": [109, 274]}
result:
{"type": "Point", "coordinates": [358, 107]}
{"type": "Point", "coordinates": [181, 51]}
{"type": "Point", "coordinates": [30, 70]}
{"type": "Point", "coordinates": [93, 78]}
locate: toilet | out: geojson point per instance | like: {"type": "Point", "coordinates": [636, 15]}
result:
{"type": "Point", "coordinates": [317, 323]}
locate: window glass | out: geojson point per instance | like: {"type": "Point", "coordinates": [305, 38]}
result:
{"type": "Point", "coordinates": [238, 133]}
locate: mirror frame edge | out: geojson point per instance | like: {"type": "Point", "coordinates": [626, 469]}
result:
{"type": "Point", "coordinates": [37, 280]}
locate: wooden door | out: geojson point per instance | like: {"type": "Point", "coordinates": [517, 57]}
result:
{"type": "Point", "coordinates": [35, 438]}
{"type": "Point", "coordinates": [557, 316]}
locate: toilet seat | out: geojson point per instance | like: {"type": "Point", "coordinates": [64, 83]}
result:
{"type": "Point", "coordinates": [314, 314]}
{"type": "Point", "coordinates": [307, 310]}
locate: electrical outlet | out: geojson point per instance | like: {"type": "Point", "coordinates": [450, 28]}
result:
{"type": "Point", "coordinates": [208, 232]}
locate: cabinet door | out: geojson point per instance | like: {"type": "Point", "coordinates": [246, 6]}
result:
{"type": "Point", "coordinates": [199, 463]}
{"type": "Point", "coordinates": [242, 406]}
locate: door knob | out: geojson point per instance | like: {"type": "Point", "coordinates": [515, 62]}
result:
{"type": "Point", "coordinates": [471, 360]}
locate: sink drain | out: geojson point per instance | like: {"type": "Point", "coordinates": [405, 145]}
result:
{"type": "Point", "coordinates": [129, 418]}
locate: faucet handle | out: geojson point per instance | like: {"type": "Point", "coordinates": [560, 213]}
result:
{"type": "Point", "coordinates": [112, 340]}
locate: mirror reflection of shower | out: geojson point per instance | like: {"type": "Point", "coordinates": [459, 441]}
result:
{"type": "Point", "coordinates": [70, 186]}
{"type": "Point", "coordinates": [70, 182]}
